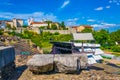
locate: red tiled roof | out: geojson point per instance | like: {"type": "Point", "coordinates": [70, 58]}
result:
{"type": "Point", "coordinates": [38, 23]}
{"type": "Point", "coordinates": [87, 26]}
{"type": "Point", "coordinates": [75, 26]}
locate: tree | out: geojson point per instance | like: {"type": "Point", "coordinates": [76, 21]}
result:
{"type": "Point", "coordinates": [87, 30]}
{"type": "Point", "coordinates": [48, 22]}
{"type": "Point", "coordinates": [115, 36]}
{"type": "Point", "coordinates": [14, 28]}
{"type": "Point", "coordinates": [24, 26]}
{"type": "Point", "coordinates": [8, 26]}
{"type": "Point", "coordinates": [1, 31]}
{"type": "Point", "coordinates": [41, 28]}
{"type": "Point", "coordinates": [102, 37]}
{"type": "Point", "coordinates": [27, 34]}
{"type": "Point", "coordinates": [54, 27]}
{"type": "Point", "coordinates": [62, 25]}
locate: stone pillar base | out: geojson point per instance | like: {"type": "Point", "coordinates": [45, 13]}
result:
{"type": "Point", "coordinates": [7, 71]}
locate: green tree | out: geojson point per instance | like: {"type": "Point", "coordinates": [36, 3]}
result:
{"type": "Point", "coordinates": [42, 27]}
{"type": "Point", "coordinates": [102, 37]}
{"type": "Point", "coordinates": [1, 32]}
{"type": "Point", "coordinates": [24, 26]}
{"type": "Point", "coordinates": [115, 36]}
{"type": "Point", "coordinates": [27, 34]}
{"type": "Point", "coordinates": [14, 28]}
{"type": "Point", "coordinates": [62, 25]}
{"type": "Point", "coordinates": [48, 22]}
{"type": "Point", "coordinates": [54, 27]}
{"type": "Point", "coordinates": [8, 26]}
{"type": "Point", "coordinates": [87, 30]}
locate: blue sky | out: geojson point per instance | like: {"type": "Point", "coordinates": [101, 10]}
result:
{"type": "Point", "coordinates": [98, 13]}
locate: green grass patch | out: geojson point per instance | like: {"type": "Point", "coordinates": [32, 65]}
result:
{"type": "Point", "coordinates": [106, 57]}
{"type": "Point", "coordinates": [116, 54]}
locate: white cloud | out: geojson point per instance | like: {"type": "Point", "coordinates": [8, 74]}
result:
{"type": "Point", "coordinates": [108, 24]}
{"type": "Point", "coordinates": [105, 25]}
{"type": "Point", "coordinates": [37, 15]}
{"type": "Point", "coordinates": [65, 3]}
{"type": "Point", "coordinates": [91, 20]}
{"type": "Point", "coordinates": [99, 9]}
{"type": "Point", "coordinates": [71, 22]}
{"type": "Point", "coordinates": [97, 25]}
{"type": "Point", "coordinates": [107, 7]}
{"type": "Point", "coordinates": [117, 2]}
{"type": "Point", "coordinates": [110, 1]}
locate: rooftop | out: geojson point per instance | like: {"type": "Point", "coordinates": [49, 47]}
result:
{"type": "Point", "coordinates": [38, 23]}
{"type": "Point", "coordinates": [83, 36]}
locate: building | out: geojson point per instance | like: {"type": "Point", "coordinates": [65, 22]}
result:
{"type": "Point", "coordinates": [9, 22]}
{"type": "Point", "coordinates": [38, 24]}
{"type": "Point", "coordinates": [81, 28]}
{"type": "Point", "coordinates": [2, 24]}
{"type": "Point", "coordinates": [73, 27]}
{"type": "Point", "coordinates": [15, 23]}
{"type": "Point", "coordinates": [34, 24]}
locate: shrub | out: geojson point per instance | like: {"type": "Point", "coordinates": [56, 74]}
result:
{"type": "Point", "coordinates": [56, 33]}
{"type": "Point", "coordinates": [116, 48]}
{"type": "Point", "coordinates": [1, 32]}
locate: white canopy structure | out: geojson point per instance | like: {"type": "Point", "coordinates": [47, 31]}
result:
{"type": "Point", "coordinates": [83, 36]}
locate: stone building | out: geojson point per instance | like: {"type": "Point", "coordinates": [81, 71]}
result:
{"type": "Point", "coordinates": [81, 28]}
{"type": "Point", "coordinates": [7, 64]}
{"type": "Point", "coordinates": [2, 24]}
{"type": "Point", "coordinates": [35, 24]}
{"type": "Point", "coordinates": [15, 23]}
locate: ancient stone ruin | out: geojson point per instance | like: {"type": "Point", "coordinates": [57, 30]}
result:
{"type": "Point", "coordinates": [7, 65]}
{"type": "Point", "coordinates": [64, 63]}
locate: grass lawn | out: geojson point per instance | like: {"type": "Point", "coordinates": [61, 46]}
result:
{"type": "Point", "coordinates": [116, 53]}
{"type": "Point", "coordinates": [111, 52]}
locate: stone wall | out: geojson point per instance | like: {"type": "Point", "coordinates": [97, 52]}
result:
{"type": "Point", "coordinates": [7, 55]}
{"type": "Point", "coordinates": [7, 71]}
{"type": "Point", "coordinates": [7, 65]}
{"type": "Point", "coordinates": [37, 30]}
{"type": "Point", "coordinates": [61, 31]}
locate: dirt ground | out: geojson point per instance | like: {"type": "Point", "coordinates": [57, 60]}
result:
{"type": "Point", "coordinates": [84, 75]}
{"type": "Point", "coordinates": [98, 72]}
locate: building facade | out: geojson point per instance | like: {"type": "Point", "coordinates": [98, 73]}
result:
{"type": "Point", "coordinates": [34, 24]}
{"type": "Point", "coordinates": [2, 24]}
{"type": "Point", "coordinates": [15, 23]}
{"type": "Point", "coordinates": [81, 28]}
{"type": "Point", "coordinates": [38, 24]}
